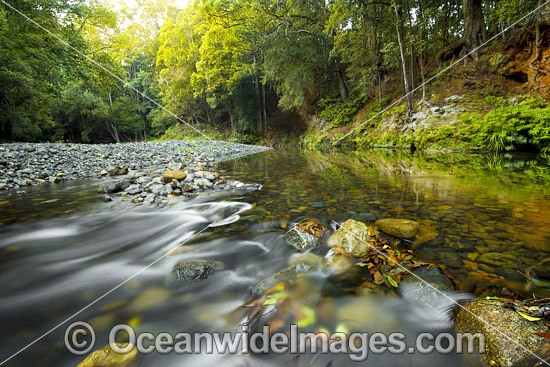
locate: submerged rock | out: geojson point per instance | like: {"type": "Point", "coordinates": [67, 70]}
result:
{"type": "Point", "coordinates": [365, 217]}
{"type": "Point", "coordinates": [499, 349]}
{"type": "Point", "coordinates": [106, 357]}
{"type": "Point", "coordinates": [352, 238]}
{"type": "Point", "coordinates": [429, 290]}
{"type": "Point", "coordinates": [400, 228]}
{"type": "Point", "coordinates": [290, 272]}
{"type": "Point", "coordinates": [337, 263]}
{"type": "Point", "coordinates": [193, 269]}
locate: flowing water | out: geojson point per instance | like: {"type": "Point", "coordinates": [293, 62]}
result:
{"type": "Point", "coordinates": [62, 248]}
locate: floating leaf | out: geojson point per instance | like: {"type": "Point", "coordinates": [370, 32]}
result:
{"type": "Point", "coordinates": [392, 281]}
{"type": "Point", "coordinates": [527, 317]}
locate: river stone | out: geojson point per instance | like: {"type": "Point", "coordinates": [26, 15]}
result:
{"type": "Point", "coordinates": [400, 228]}
{"type": "Point", "coordinates": [500, 351]}
{"type": "Point", "coordinates": [425, 234]}
{"type": "Point", "coordinates": [168, 176]}
{"type": "Point", "coordinates": [193, 269]}
{"type": "Point", "coordinates": [337, 263]}
{"type": "Point", "coordinates": [290, 272]}
{"type": "Point", "coordinates": [351, 238]}
{"type": "Point", "coordinates": [173, 166]}
{"type": "Point", "coordinates": [203, 182]}
{"type": "Point", "coordinates": [133, 190]}
{"type": "Point", "coordinates": [498, 259]}
{"type": "Point", "coordinates": [118, 171]}
{"type": "Point", "coordinates": [300, 240]}
{"type": "Point", "coordinates": [365, 217]}
{"type": "Point", "coordinates": [427, 291]}
{"type": "Point", "coordinates": [107, 357]}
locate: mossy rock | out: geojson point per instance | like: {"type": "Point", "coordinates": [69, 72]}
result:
{"type": "Point", "coordinates": [510, 329]}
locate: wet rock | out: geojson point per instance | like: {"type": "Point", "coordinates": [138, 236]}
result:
{"type": "Point", "coordinates": [112, 186]}
{"type": "Point", "coordinates": [149, 198]}
{"type": "Point", "coordinates": [351, 238]}
{"type": "Point", "coordinates": [168, 176]}
{"type": "Point", "coordinates": [106, 357]}
{"type": "Point", "coordinates": [193, 269]}
{"type": "Point", "coordinates": [500, 351]}
{"type": "Point", "coordinates": [300, 240]}
{"type": "Point", "coordinates": [203, 182]}
{"type": "Point", "coordinates": [400, 228]}
{"type": "Point", "coordinates": [309, 259]}
{"type": "Point", "coordinates": [428, 289]}
{"type": "Point", "coordinates": [290, 272]}
{"type": "Point", "coordinates": [425, 234]}
{"type": "Point", "coordinates": [337, 263]}
{"type": "Point", "coordinates": [107, 198]}
{"type": "Point", "coordinates": [118, 171]}
{"type": "Point", "coordinates": [133, 190]}
{"type": "Point", "coordinates": [498, 259]}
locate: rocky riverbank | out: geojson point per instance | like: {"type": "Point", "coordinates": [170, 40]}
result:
{"type": "Point", "coordinates": [27, 164]}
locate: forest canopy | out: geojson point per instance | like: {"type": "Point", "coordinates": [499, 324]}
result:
{"type": "Point", "coordinates": [224, 64]}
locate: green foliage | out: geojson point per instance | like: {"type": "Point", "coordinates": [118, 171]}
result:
{"type": "Point", "coordinates": [506, 128]}
{"type": "Point", "coordinates": [338, 113]}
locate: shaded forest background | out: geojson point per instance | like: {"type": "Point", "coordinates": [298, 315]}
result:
{"type": "Point", "coordinates": [231, 66]}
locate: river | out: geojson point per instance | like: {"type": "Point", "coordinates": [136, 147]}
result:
{"type": "Point", "coordinates": [62, 248]}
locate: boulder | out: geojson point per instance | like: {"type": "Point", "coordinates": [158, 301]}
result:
{"type": "Point", "coordinates": [193, 269]}
{"type": "Point", "coordinates": [352, 238]}
{"type": "Point", "coordinates": [501, 350]}
{"type": "Point", "coordinates": [400, 228]}
{"type": "Point", "coordinates": [168, 176]}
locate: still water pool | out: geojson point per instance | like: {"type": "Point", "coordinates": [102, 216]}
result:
{"type": "Point", "coordinates": [61, 248]}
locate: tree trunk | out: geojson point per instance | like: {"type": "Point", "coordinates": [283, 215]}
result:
{"type": "Point", "coordinates": [264, 108]}
{"type": "Point", "coordinates": [341, 82]}
{"type": "Point", "coordinates": [398, 25]}
{"type": "Point", "coordinates": [475, 33]}
{"type": "Point", "coordinates": [259, 126]}
{"type": "Point", "coordinates": [542, 22]}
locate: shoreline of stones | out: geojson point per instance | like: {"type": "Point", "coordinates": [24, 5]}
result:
{"type": "Point", "coordinates": [29, 164]}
